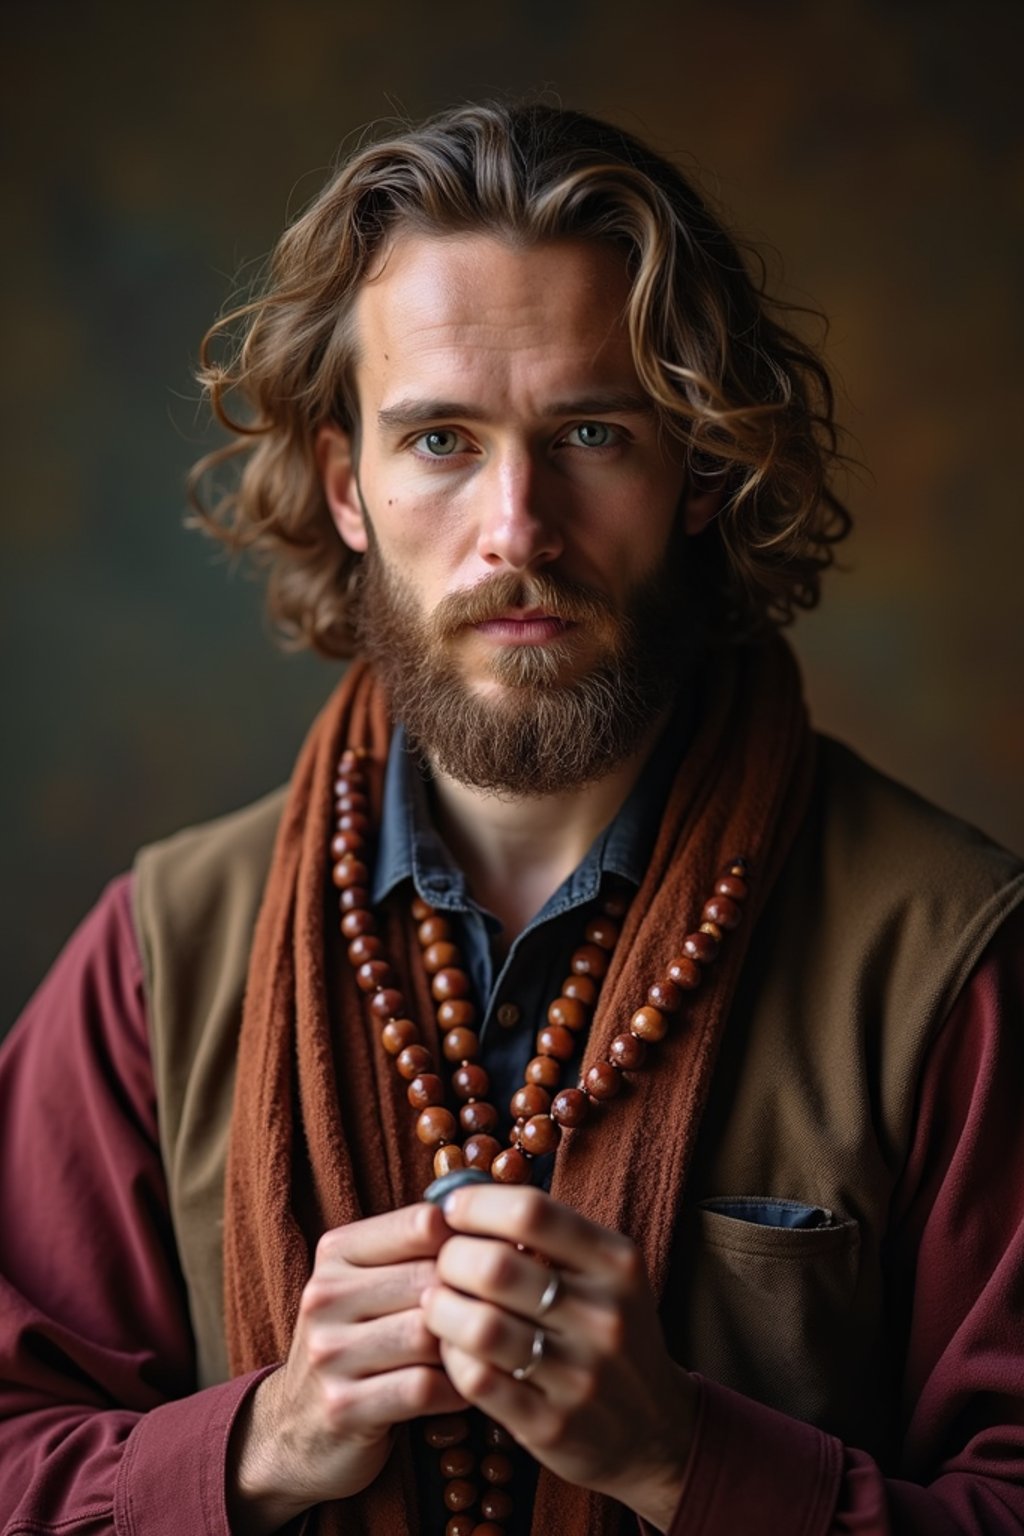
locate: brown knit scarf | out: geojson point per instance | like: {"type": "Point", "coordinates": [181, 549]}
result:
{"type": "Point", "coordinates": [321, 1132]}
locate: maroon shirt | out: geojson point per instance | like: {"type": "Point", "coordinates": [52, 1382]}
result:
{"type": "Point", "coordinates": [102, 1428]}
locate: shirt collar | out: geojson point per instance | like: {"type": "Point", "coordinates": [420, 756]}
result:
{"type": "Point", "coordinates": [411, 847]}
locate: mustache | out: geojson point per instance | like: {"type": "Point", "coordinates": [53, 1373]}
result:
{"type": "Point", "coordinates": [563, 599]}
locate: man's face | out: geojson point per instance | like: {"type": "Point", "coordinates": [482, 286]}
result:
{"type": "Point", "coordinates": [520, 512]}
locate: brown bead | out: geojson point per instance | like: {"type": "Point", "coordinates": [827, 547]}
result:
{"type": "Point", "coordinates": [366, 947]}
{"type": "Point", "coordinates": [355, 898]}
{"type": "Point", "coordinates": [347, 842]}
{"type": "Point", "coordinates": [570, 1107]}
{"type": "Point", "coordinates": [480, 1151]}
{"type": "Point", "coordinates": [602, 1081]}
{"type": "Point", "coordinates": [457, 1461]}
{"type": "Point", "coordinates": [701, 947]}
{"type": "Point", "coordinates": [529, 1100]}
{"type": "Point", "coordinates": [602, 931]}
{"type": "Point", "coordinates": [445, 1430]}
{"type": "Point", "coordinates": [354, 821]}
{"type": "Point", "coordinates": [568, 1011]}
{"type": "Point", "coordinates": [510, 1167]}
{"type": "Point", "coordinates": [425, 1090]}
{"type": "Point", "coordinates": [615, 904]}
{"type": "Point", "coordinates": [420, 910]}
{"type": "Point", "coordinates": [496, 1436]}
{"type": "Point", "coordinates": [397, 1034]}
{"type": "Point", "coordinates": [478, 1117]}
{"type": "Point", "coordinates": [433, 929]}
{"type": "Point", "coordinates": [686, 973]}
{"type": "Point", "coordinates": [437, 956]}
{"type": "Point", "coordinates": [451, 982]}
{"type": "Point", "coordinates": [349, 871]}
{"type": "Point", "coordinates": [627, 1052]}
{"type": "Point", "coordinates": [348, 761]}
{"type": "Point", "coordinates": [648, 1024]}
{"type": "Point", "coordinates": [545, 1071]}
{"type": "Point", "coordinates": [733, 887]}
{"type": "Point", "coordinates": [723, 911]}
{"type": "Point", "coordinates": [554, 1040]}
{"type": "Point", "coordinates": [448, 1159]}
{"type": "Point", "coordinates": [666, 995]}
{"type": "Point", "coordinates": [456, 1013]}
{"type": "Point", "coordinates": [373, 974]}
{"type": "Point", "coordinates": [435, 1125]}
{"type": "Point", "coordinates": [355, 924]}
{"type": "Point", "coordinates": [470, 1082]}
{"type": "Point", "coordinates": [461, 1525]}
{"type": "Point", "coordinates": [353, 801]}
{"type": "Point", "coordinates": [496, 1468]}
{"type": "Point", "coordinates": [413, 1060]}
{"type": "Point", "coordinates": [388, 1003]}
{"type": "Point", "coordinates": [740, 867]}
{"type": "Point", "coordinates": [540, 1135]}
{"type": "Point", "coordinates": [460, 1494]}
{"type": "Point", "coordinates": [713, 929]}
{"type": "Point", "coordinates": [496, 1504]}
{"type": "Point", "coordinates": [461, 1045]}
{"type": "Point", "coordinates": [583, 988]}
{"type": "Point", "coordinates": [589, 960]}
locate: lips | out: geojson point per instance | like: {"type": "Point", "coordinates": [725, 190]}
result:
{"type": "Point", "coordinates": [528, 627]}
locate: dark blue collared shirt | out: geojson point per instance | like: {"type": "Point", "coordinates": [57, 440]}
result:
{"type": "Point", "coordinates": [513, 995]}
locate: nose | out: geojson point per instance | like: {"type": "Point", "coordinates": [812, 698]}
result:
{"type": "Point", "coordinates": [519, 522]}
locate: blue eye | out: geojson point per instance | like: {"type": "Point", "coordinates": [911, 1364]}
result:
{"type": "Point", "coordinates": [593, 434]}
{"type": "Point", "coordinates": [441, 443]}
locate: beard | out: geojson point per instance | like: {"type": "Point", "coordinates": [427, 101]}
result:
{"type": "Point", "coordinates": [542, 730]}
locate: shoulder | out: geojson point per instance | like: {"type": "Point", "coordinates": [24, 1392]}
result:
{"type": "Point", "coordinates": [204, 884]}
{"type": "Point", "coordinates": [910, 893]}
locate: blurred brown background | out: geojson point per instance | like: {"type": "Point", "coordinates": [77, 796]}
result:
{"type": "Point", "coordinates": [154, 150]}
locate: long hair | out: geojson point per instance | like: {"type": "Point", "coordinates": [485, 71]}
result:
{"type": "Point", "coordinates": [750, 402]}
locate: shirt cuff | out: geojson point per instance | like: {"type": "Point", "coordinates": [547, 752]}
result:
{"type": "Point", "coordinates": [173, 1474]}
{"type": "Point", "coordinates": [752, 1468]}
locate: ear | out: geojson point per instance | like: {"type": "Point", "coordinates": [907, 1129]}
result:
{"type": "Point", "coordinates": [701, 503]}
{"type": "Point", "coordinates": [337, 468]}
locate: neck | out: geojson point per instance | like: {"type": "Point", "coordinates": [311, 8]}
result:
{"type": "Point", "coordinates": [515, 852]}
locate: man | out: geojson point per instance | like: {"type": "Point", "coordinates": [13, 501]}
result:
{"type": "Point", "coordinates": [521, 424]}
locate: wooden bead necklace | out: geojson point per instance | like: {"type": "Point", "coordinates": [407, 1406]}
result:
{"type": "Point", "coordinates": [541, 1110]}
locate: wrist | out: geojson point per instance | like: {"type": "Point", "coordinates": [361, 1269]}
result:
{"type": "Point", "coordinates": [259, 1497]}
{"type": "Point", "coordinates": [656, 1499]}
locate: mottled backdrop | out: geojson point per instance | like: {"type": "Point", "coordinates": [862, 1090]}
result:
{"type": "Point", "coordinates": [152, 151]}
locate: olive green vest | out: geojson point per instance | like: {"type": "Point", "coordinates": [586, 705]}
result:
{"type": "Point", "coordinates": [883, 908]}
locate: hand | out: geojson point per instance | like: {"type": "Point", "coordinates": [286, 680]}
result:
{"type": "Point", "coordinates": [361, 1361]}
{"type": "Point", "coordinates": [605, 1406]}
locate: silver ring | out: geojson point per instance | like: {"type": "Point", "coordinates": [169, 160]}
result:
{"type": "Point", "coordinates": [524, 1372]}
{"type": "Point", "coordinates": [552, 1291]}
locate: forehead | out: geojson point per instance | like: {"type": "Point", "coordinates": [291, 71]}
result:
{"type": "Point", "coordinates": [476, 311]}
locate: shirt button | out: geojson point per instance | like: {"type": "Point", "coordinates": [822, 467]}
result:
{"type": "Point", "coordinates": [508, 1015]}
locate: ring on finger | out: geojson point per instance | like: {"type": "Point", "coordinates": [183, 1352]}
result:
{"type": "Point", "coordinates": [552, 1291]}
{"type": "Point", "coordinates": [524, 1372]}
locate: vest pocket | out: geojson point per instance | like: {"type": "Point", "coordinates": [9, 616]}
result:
{"type": "Point", "coordinates": [771, 1302]}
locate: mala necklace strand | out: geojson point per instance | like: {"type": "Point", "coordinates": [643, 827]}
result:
{"type": "Point", "coordinates": [540, 1113]}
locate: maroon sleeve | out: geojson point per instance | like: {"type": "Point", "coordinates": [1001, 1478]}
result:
{"type": "Point", "coordinates": [101, 1426]}
{"type": "Point", "coordinates": [955, 1261]}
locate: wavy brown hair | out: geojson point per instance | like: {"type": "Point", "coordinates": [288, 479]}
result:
{"type": "Point", "coordinates": [750, 402]}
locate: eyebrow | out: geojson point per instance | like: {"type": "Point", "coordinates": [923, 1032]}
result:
{"type": "Point", "coordinates": [411, 412]}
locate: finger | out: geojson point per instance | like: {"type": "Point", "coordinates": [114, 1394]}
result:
{"type": "Point", "coordinates": [495, 1271]}
{"type": "Point", "coordinates": [500, 1338]}
{"type": "Point", "coordinates": [517, 1405]}
{"type": "Point", "coordinates": [372, 1348]}
{"type": "Point", "coordinates": [411, 1232]}
{"type": "Point", "coordinates": [530, 1217]}
{"type": "Point", "coordinates": [374, 1403]}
